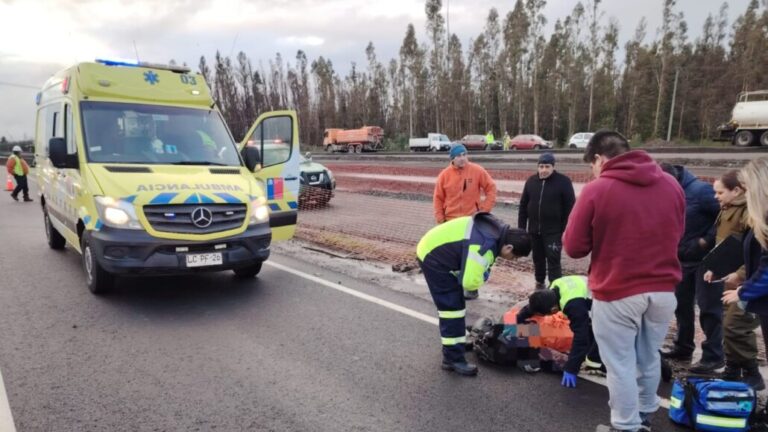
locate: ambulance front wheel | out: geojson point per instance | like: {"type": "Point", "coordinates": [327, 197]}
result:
{"type": "Point", "coordinates": [248, 272]}
{"type": "Point", "coordinates": [99, 280]}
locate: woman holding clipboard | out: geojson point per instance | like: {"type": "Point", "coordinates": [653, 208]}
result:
{"type": "Point", "coordinates": [754, 290]}
{"type": "Point", "coordinates": [739, 339]}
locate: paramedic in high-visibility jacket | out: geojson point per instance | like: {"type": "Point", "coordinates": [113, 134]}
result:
{"type": "Point", "coordinates": [456, 256]}
{"type": "Point", "coordinates": [569, 294]}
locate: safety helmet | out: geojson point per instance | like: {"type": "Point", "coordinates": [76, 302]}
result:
{"type": "Point", "coordinates": [16, 149]}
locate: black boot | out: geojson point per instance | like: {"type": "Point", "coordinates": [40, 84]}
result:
{"type": "Point", "coordinates": [677, 354]}
{"type": "Point", "coordinates": [732, 371]}
{"type": "Point", "coordinates": [460, 367]}
{"type": "Point", "coordinates": [752, 376]}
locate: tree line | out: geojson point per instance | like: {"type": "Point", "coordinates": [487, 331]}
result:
{"type": "Point", "coordinates": [513, 78]}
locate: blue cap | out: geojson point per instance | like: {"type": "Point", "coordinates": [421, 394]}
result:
{"type": "Point", "coordinates": [457, 150]}
{"type": "Point", "coordinates": [547, 159]}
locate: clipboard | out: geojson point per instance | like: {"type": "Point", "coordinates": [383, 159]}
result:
{"type": "Point", "coordinates": [725, 258]}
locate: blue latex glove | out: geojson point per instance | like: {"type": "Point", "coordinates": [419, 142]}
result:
{"type": "Point", "coordinates": [569, 380]}
{"type": "Point", "coordinates": [486, 275]}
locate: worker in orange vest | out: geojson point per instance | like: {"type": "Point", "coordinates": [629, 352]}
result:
{"type": "Point", "coordinates": [19, 169]}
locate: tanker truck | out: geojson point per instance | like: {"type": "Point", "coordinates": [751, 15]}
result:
{"type": "Point", "coordinates": [367, 138]}
{"type": "Point", "coordinates": [749, 120]}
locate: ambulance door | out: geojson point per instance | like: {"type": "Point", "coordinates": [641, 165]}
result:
{"type": "Point", "coordinates": [62, 184]}
{"type": "Point", "coordinates": [276, 135]}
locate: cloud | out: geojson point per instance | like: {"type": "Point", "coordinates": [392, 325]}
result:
{"type": "Point", "coordinates": [300, 41]}
{"type": "Point", "coordinates": [43, 36]}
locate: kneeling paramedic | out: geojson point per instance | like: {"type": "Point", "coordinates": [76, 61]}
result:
{"type": "Point", "coordinates": [569, 294]}
{"type": "Point", "coordinates": [456, 256]}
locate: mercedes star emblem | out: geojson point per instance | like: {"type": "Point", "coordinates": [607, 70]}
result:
{"type": "Point", "coordinates": [202, 217]}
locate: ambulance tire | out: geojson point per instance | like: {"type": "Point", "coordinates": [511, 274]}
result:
{"type": "Point", "coordinates": [55, 239]}
{"type": "Point", "coordinates": [99, 281]}
{"type": "Point", "coordinates": [248, 272]}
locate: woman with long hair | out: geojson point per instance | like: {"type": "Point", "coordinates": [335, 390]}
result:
{"type": "Point", "coordinates": [753, 293]}
{"type": "Point", "coordinates": [739, 339]}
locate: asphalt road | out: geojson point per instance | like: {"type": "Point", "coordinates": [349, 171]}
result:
{"type": "Point", "coordinates": [282, 352]}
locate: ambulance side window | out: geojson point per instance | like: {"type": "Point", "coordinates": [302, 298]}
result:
{"type": "Point", "coordinates": [41, 142]}
{"type": "Point", "coordinates": [54, 121]}
{"type": "Point", "coordinates": [69, 132]}
{"type": "Point", "coordinates": [274, 136]}
{"type": "Point", "coordinates": [50, 125]}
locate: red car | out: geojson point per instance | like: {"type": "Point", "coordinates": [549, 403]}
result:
{"type": "Point", "coordinates": [474, 142]}
{"type": "Point", "coordinates": [528, 142]}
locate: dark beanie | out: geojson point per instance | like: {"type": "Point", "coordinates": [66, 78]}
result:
{"type": "Point", "coordinates": [547, 159]}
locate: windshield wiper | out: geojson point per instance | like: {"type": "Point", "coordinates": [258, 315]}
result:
{"type": "Point", "coordinates": [199, 163]}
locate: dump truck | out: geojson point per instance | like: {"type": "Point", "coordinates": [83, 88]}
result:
{"type": "Point", "coordinates": [749, 120]}
{"type": "Point", "coordinates": [367, 138]}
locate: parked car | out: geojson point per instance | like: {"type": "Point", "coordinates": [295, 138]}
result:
{"type": "Point", "coordinates": [474, 142]}
{"type": "Point", "coordinates": [528, 142]}
{"type": "Point", "coordinates": [317, 183]}
{"type": "Point", "coordinates": [580, 140]}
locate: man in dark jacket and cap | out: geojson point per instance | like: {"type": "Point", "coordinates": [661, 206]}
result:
{"type": "Point", "coordinates": [546, 202]}
{"type": "Point", "coordinates": [701, 209]}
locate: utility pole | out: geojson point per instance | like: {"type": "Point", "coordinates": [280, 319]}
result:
{"type": "Point", "coordinates": [672, 108]}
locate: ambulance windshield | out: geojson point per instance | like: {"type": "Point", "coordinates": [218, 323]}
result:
{"type": "Point", "coordinates": [153, 134]}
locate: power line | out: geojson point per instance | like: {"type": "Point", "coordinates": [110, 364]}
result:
{"type": "Point", "coordinates": [10, 84]}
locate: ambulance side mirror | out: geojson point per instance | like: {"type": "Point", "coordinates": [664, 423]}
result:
{"type": "Point", "coordinates": [57, 151]}
{"type": "Point", "coordinates": [252, 157]}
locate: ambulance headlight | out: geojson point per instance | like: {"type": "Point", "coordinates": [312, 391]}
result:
{"type": "Point", "coordinates": [117, 213]}
{"type": "Point", "coordinates": [260, 211]}
{"type": "Point", "coordinates": [116, 216]}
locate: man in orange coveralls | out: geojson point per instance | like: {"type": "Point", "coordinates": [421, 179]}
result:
{"type": "Point", "coordinates": [458, 187]}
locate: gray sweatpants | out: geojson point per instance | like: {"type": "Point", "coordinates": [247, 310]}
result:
{"type": "Point", "coordinates": [629, 333]}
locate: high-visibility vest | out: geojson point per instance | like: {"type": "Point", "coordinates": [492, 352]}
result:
{"type": "Point", "coordinates": [18, 166]}
{"type": "Point", "coordinates": [477, 258]}
{"type": "Point", "coordinates": [571, 287]}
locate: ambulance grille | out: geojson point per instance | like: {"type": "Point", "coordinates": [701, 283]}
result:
{"type": "Point", "coordinates": [178, 218]}
{"type": "Point", "coordinates": [224, 171]}
{"type": "Point", "coordinates": [127, 169]}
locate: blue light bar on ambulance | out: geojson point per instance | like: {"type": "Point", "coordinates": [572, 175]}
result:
{"type": "Point", "coordinates": [133, 63]}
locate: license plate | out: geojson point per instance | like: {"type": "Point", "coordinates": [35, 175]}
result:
{"type": "Point", "coordinates": [206, 259]}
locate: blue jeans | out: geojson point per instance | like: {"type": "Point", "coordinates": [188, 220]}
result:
{"type": "Point", "coordinates": [630, 332]}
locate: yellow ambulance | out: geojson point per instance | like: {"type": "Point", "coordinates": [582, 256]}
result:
{"type": "Point", "coordinates": [138, 172]}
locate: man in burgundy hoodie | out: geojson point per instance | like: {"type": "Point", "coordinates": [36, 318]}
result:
{"type": "Point", "coordinates": [631, 219]}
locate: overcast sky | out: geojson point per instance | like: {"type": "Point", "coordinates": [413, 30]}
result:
{"type": "Point", "coordinates": [38, 38]}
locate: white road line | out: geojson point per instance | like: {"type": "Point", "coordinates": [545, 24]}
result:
{"type": "Point", "coordinates": [6, 419]}
{"type": "Point", "coordinates": [338, 287]}
{"type": "Point", "coordinates": [404, 310]}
